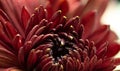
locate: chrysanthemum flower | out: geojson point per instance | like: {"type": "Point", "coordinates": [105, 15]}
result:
{"type": "Point", "coordinates": [41, 40]}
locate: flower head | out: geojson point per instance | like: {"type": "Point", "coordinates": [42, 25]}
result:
{"type": "Point", "coordinates": [40, 41]}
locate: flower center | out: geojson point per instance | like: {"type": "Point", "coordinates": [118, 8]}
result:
{"type": "Point", "coordinates": [61, 44]}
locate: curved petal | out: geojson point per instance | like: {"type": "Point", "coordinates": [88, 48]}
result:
{"type": "Point", "coordinates": [54, 5]}
{"type": "Point", "coordinates": [112, 36]}
{"type": "Point", "coordinates": [13, 9]}
{"type": "Point", "coordinates": [76, 7]}
{"type": "Point", "coordinates": [99, 5]}
{"type": "Point", "coordinates": [102, 35]}
{"type": "Point", "coordinates": [90, 22]}
{"type": "Point", "coordinates": [99, 35]}
{"type": "Point", "coordinates": [7, 58]}
{"type": "Point", "coordinates": [113, 49]}
{"type": "Point", "coordinates": [117, 61]}
{"type": "Point", "coordinates": [25, 16]}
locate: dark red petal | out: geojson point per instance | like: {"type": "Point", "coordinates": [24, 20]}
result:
{"type": "Point", "coordinates": [76, 7]}
{"type": "Point", "coordinates": [53, 2]}
{"type": "Point", "coordinates": [17, 42]}
{"type": "Point", "coordinates": [50, 10]}
{"type": "Point", "coordinates": [72, 24]}
{"type": "Point", "coordinates": [11, 31]}
{"type": "Point", "coordinates": [38, 40]}
{"type": "Point", "coordinates": [27, 47]}
{"type": "Point", "coordinates": [47, 66]}
{"type": "Point", "coordinates": [21, 56]}
{"type": "Point", "coordinates": [112, 36]}
{"type": "Point", "coordinates": [12, 9]}
{"type": "Point", "coordinates": [107, 65]}
{"type": "Point", "coordinates": [93, 62]}
{"type": "Point", "coordinates": [59, 5]}
{"type": "Point", "coordinates": [39, 14]}
{"type": "Point", "coordinates": [100, 34]}
{"type": "Point", "coordinates": [24, 17]}
{"type": "Point", "coordinates": [69, 66]}
{"type": "Point", "coordinates": [102, 50]}
{"type": "Point", "coordinates": [40, 30]}
{"type": "Point", "coordinates": [73, 21]}
{"type": "Point", "coordinates": [90, 22]}
{"type": "Point", "coordinates": [32, 32]}
{"type": "Point", "coordinates": [7, 46]}
{"type": "Point", "coordinates": [63, 20]}
{"type": "Point", "coordinates": [44, 59]}
{"type": "Point", "coordinates": [56, 18]}
{"type": "Point", "coordinates": [80, 30]}
{"type": "Point", "coordinates": [43, 22]}
{"type": "Point", "coordinates": [7, 27]}
{"type": "Point", "coordinates": [113, 49]}
{"type": "Point", "coordinates": [4, 37]}
{"type": "Point", "coordinates": [32, 59]}
{"type": "Point", "coordinates": [4, 15]}
{"type": "Point", "coordinates": [64, 7]}
{"type": "Point", "coordinates": [99, 5]}
{"type": "Point", "coordinates": [117, 61]}
{"type": "Point", "coordinates": [7, 58]}
{"type": "Point", "coordinates": [18, 5]}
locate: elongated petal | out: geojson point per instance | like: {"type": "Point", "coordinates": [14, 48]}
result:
{"type": "Point", "coordinates": [13, 11]}
{"type": "Point", "coordinates": [24, 17]}
{"type": "Point", "coordinates": [14, 8]}
{"type": "Point", "coordinates": [21, 56]}
{"type": "Point", "coordinates": [39, 14]}
{"type": "Point", "coordinates": [17, 42]}
{"type": "Point", "coordinates": [113, 49]}
{"type": "Point", "coordinates": [32, 59]}
{"type": "Point", "coordinates": [90, 22]}
{"type": "Point", "coordinates": [4, 15]}
{"type": "Point", "coordinates": [57, 5]}
{"type": "Point", "coordinates": [99, 5]}
{"type": "Point", "coordinates": [101, 33]}
{"type": "Point", "coordinates": [11, 31]}
{"type": "Point", "coordinates": [7, 58]}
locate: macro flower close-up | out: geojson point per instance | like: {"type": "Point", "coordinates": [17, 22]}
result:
{"type": "Point", "coordinates": [56, 35]}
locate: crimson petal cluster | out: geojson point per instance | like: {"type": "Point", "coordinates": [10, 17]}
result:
{"type": "Point", "coordinates": [53, 44]}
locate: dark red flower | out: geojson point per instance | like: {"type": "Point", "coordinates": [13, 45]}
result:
{"type": "Point", "coordinates": [42, 41]}
{"type": "Point", "coordinates": [90, 12]}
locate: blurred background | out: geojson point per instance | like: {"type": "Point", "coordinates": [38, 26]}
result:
{"type": "Point", "coordinates": [112, 17]}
